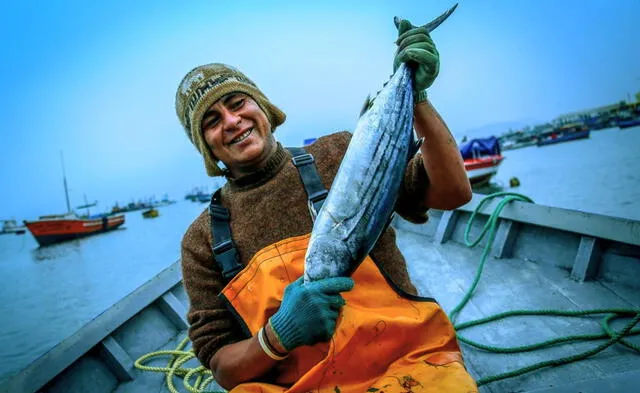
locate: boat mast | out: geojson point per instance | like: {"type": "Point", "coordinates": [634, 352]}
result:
{"type": "Point", "coordinates": [64, 180]}
{"type": "Point", "coordinates": [86, 204]}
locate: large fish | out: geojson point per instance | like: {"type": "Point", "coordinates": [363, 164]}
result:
{"type": "Point", "coordinates": [364, 191]}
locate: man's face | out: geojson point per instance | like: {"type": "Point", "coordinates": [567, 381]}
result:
{"type": "Point", "coordinates": [238, 133]}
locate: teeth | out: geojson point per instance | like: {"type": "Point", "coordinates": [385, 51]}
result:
{"type": "Point", "coordinates": [241, 137]}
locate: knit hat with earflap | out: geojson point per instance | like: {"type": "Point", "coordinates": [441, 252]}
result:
{"type": "Point", "coordinates": [203, 86]}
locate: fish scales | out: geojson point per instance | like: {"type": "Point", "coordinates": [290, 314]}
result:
{"type": "Point", "coordinates": [364, 190]}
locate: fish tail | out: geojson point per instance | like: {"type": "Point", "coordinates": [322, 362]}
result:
{"type": "Point", "coordinates": [431, 26]}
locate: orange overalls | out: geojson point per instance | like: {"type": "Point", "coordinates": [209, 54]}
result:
{"type": "Point", "coordinates": [383, 343]}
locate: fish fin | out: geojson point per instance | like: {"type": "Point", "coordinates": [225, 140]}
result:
{"type": "Point", "coordinates": [431, 26]}
{"type": "Point", "coordinates": [368, 102]}
{"type": "Point", "coordinates": [413, 149]}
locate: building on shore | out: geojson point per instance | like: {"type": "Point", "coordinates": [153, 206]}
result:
{"type": "Point", "coordinates": [603, 116]}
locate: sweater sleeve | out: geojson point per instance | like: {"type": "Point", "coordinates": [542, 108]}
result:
{"type": "Point", "coordinates": [211, 324]}
{"type": "Point", "coordinates": [410, 204]}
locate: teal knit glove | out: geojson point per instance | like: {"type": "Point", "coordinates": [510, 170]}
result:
{"type": "Point", "coordinates": [308, 312]}
{"type": "Point", "coordinates": [417, 49]}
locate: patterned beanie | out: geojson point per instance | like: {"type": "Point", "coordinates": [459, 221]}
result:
{"type": "Point", "coordinates": [203, 86]}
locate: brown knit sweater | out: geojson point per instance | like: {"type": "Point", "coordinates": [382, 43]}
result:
{"type": "Point", "coordinates": [267, 207]}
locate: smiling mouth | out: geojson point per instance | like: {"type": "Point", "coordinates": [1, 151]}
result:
{"type": "Point", "coordinates": [241, 137]}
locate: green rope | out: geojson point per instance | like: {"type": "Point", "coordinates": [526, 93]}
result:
{"type": "Point", "coordinates": [490, 228]}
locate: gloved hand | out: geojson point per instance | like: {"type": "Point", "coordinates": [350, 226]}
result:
{"type": "Point", "coordinates": [308, 312]}
{"type": "Point", "coordinates": [417, 49]}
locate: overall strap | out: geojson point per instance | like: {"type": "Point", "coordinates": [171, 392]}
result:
{"type": "Point", "coordinates": [316, 192]}
{"type": "Point", "coordinates": [224, 250]}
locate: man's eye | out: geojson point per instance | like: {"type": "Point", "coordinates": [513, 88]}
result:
{"type": "Point", "coordinates": [237, 104]}
{"type": "Point", "coordinates": [212, 121]}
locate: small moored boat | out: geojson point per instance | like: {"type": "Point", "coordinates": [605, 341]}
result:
{"type": "Point", "coordinates": [151, 213]}
{"type": "Point", "coordinates": [56, 228]}
{"type": "Point", "coordinates": [629, 123]}
{"type": "Point", "coordinates": [482, 157]}
{"type": "Point", "coordinates": [565, 133]}
{"type": "Point", "coordinates": [10, 226]}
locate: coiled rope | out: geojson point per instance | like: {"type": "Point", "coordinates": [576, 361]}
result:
{"type": "Point", "coordinates": [178, 358]}
{"type": "Point", "coordinates": [489, 230]}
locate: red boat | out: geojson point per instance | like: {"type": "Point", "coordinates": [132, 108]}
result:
{"type": "Point", "coordinates": [482, 157]}
{"type": "Point", "coordinates": [56, 228]}
{"type": "Point", "coordinates": [62, 227]}
{"type": "Point", "coordinates": [481, 170]}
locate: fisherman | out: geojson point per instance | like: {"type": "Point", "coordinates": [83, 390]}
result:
{"type": "Point", "coordinates": [252, 320]}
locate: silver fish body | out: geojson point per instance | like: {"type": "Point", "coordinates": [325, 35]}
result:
{"type": "Point", "coordinates": [366, 186]}
{"type": "Point", "coordinates": [364, 191]}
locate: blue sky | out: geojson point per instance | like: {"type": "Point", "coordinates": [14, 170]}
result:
{"type": "Point", "coordinates": [97, 80]}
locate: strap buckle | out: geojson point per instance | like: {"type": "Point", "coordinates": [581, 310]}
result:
{"type": "Point", "coordinates": [219, 212]}
{"type": "Point", "coordinates": [302, 159]}
{"type": "Point", "coordinates": [318, 196]}
{"type": "Point", "coordinates": [315, 202]}
{"type": "Point", "coordinates": [223, 247]}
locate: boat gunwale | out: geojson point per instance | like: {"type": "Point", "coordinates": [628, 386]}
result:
{"type": "Point", "coordinates": [46, 367]}
{"type": "Point", "coordinates": [623, 230]}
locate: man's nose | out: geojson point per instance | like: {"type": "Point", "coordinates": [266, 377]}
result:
{"type": "Point", "coordinates": [230, 120]}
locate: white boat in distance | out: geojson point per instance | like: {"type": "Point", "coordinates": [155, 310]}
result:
{"type": "Point", "coordinates": [11, 227]}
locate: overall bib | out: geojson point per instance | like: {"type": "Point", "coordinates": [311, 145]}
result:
{"type": "Point", "coordinates": [384, 342]}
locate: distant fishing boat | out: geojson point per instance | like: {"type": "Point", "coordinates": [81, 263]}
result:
{"type": "Point", "coordinates": [11, 227]}
{"type": "Point", "coordinates": [565, 133]}
{"type": "Point", "coordinates": [629, 123]}
{"type": "Point", "coordinates": [517, 144]}
{"type": "Point", "coordinates": [151, 213]}
{"type": "Point", "coordinates": [165, 201]}
{"type": "Point", "coordinates": [198, 195]}
{"type": "Point", "coordinates": [56, 228]}
{"type": "Point", "coordinates": [482, 157]}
